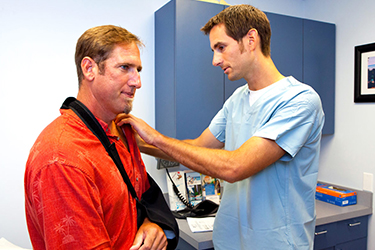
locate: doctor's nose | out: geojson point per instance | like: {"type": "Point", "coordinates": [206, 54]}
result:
{"type": "Point", "coordinates": [217, 60]}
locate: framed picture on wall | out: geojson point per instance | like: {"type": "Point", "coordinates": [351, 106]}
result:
{"type": "Point", "coordinates": [364, 75]}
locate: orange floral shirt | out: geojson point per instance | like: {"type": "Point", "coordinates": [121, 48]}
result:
{"type": "Point", "coordinates": [75, 197]}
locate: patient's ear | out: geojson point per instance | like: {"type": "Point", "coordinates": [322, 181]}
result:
{"type": "Point", "coordinates": [89, 68]}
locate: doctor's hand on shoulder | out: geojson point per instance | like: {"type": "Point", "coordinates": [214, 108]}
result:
{"type": "Point", "coordinates": [145, 131]}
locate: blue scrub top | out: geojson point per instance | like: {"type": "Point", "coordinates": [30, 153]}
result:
{"type": "Point", "coordinates": [274, 209]}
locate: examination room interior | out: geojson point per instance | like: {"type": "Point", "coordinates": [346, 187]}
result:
{"type": "Point", "coordinates": [37, 72]}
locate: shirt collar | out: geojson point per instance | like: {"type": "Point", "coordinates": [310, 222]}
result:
{"type": "Point", "coordinates": [102, 123]}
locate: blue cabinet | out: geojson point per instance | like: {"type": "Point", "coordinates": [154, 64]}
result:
{"type": "Point", "coordinates": [359, 244]}
{"type": "Point", "coordinates": [325, 236]}
{"type": "Point", "coordinates": [319, 43]}
{"type": "Point", "coordinates": [342, 235]}
{"type": "Point", "coordinates": [189, 90]}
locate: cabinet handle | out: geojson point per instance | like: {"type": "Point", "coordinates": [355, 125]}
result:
{"type": "Point", "coordinates": [354, 224]}
{"type": "Point", "coordinates": [321, 232]}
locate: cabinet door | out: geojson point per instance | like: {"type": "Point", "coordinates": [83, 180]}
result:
{"type": "Point", "coordinates": [188, 88]}
{"type": "Point", "coordinates": [359, 244]}
{"type": "Point", "coordinates": [165, 109]}
{"type": "Point", "coordinates": [325, 236]}
{"type": "Point", "coordinates": [352, 229]}
{"type": "Point", "coordinates": [199, 85]}
{"type": "Point", "coordinates": [319, 65]}
{"type": "Point", "coordinates": [286, 44]}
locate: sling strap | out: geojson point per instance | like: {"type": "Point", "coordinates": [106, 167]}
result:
{"type": "Point", "coordinates": [92, 123]}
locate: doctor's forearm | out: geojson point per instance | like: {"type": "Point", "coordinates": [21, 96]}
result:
{"type": "Point", "coordinates": [213, 162]}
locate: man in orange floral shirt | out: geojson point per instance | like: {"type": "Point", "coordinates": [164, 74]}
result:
{"type": "Point", "coordinates": [75, 195]}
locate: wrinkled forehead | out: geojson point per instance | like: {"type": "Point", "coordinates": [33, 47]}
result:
{"type": "Point", "coordinates": [127, 54]}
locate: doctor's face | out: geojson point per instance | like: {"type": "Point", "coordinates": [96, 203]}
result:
{"type": "Point", "coordinates": [228, 53]}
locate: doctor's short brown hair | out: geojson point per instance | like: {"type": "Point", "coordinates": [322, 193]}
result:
{"type": "Point", "coordinates": [238, 20]}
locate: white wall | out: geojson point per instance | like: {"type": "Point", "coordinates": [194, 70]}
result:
{"type": "Point", "coordinates": [37, 72]}
{"type": "Point", "coordinates": [349, 152]}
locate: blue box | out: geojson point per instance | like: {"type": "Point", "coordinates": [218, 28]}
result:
{"type": "Point", "coordinates": [336, 196]}
{"type": "Point", "coordinates": [350, 200]}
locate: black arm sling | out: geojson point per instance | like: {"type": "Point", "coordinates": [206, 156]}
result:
{"type": "Point", "coordinates": [152, 203]}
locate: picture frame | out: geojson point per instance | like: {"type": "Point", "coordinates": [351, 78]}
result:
{"type": "Point", "coordinates": [364, 75]}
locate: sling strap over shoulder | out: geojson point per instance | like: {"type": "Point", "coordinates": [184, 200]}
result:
{"type": "Point", "coordinates": [92, 123]}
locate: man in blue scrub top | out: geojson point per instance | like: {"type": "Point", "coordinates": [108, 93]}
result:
{"type": "Point", "coordinates": [264, 142]}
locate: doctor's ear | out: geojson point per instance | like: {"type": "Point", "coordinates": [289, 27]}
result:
{"type": "Point", "coordinates": [88, 67]}
{"type": "Point", "coordinates": [253, 37]}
